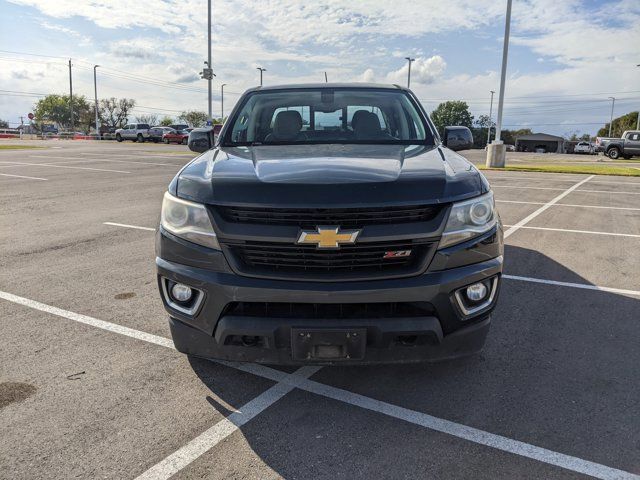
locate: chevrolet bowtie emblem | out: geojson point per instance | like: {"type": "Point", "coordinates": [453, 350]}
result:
{"type": "Point", "coordinates": [328, 237]}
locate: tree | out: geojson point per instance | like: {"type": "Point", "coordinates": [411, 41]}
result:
{"type": "Point", "coordinates": [114, 111]}
{"type": "Point", "coordinates": [509, 136]}
{"type": "Point", "coordinates": [55, 108]}
{"type": "Point", "coordinates": [151, 119]}
{"type": "Point", "coordinates": [166, 121]}
{"type": "Point", "coordinates": [4, 124]}
{"type": "Point", "coordinates": [194, 118]}
{"type": "Point", "coordinates": [620, 124]}
{"type": "Point", "coordinates": [483, 121]}
{"type": "Point", "coordinates": [452, 113]}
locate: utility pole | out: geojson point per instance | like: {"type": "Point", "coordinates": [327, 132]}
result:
{"type": "Point", "coordinates": [613, 102]}
{"type": "Point", "coordinates": [490, 113]}
{"type": "Point", "coordinates": [496, 152]}
{"type": "Point", "coordinates": [222, 102]}
{"type": "Point", "coordinates": [95, 91]}
{"type": "Point", "coordinates": [210, 73]}
{"type": "Point", "coordinates": [325, 78]}
{"type": "Point", "coordinates": [411, 60]}
{"type": "Point", "coordinates": [638, 121]}
{"type": "Point", "coordinates": [71, 96]}
{"type": "Point", "coordinates": [261, 70]}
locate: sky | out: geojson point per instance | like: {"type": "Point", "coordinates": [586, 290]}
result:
{"type": "Point", "coordinates": [566, 57]}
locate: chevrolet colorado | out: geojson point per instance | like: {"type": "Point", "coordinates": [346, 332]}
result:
{"type": "Point", "coordinates": [326, 224]}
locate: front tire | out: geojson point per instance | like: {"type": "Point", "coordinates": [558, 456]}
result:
{"type": "Point", "coordinates": [165, 141]}
{"type": "Point", "coordinates": [614, 153]}
{"type": "Point", "coordinates": [118, 137]}
{"type": "Point", "coordinates": [140, 138]}
{"type": "Point", "coordinates": [185, 141]}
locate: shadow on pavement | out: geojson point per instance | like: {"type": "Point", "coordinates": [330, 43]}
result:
{"type": "Point", "coordinates": [559, 370]}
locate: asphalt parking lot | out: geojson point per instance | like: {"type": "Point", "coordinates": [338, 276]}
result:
{"type": "Point", "coordinates": [90, 385]}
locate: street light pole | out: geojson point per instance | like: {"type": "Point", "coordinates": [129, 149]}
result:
{"type": "Point", "coordinates": [496, 152]}
{"type": "Point", "coordinates": [638, 121]}
{"type": "Point", "coordinates": [210, 77]}
{"type": "Point", "coordinates": [410, 60]}
{"type": "Point", "coordinates": [222, 102]}
{"type": "Point", "coordinates": [261, 70]}
{"type": "Point", "coordinates": [490, 113]}
{"type": "Point", "coordinates": [71, 96]}
{"type": "Point", "coordinates": [613, 102]}
{"type": "Point", "coordinates": [95, 91]}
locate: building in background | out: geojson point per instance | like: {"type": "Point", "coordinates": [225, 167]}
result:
{"type": "Point", "coordinates": [540, 141]}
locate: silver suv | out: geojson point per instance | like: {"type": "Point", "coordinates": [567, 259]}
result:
{"type": "Point", "coordinates": [138, 132]}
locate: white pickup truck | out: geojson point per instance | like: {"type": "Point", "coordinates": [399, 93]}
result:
{"type": "Point", "coordinates": [138, 132]}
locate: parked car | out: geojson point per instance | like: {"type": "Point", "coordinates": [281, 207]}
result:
{"type": "Point", "coordinates": [138, 132]}
{"type": "Point", "coordinates": [584, 148]}
{"type": "Point", "coordinates": [627, 146]}
{"type": "Point", "coordinates": [510, 148]}
{"type": "Point", "coordinates": [156, 133]}
{"type": "Point", "coordinates": [179, 126]}
{"type": "Point", "coordinates": [176, 136]}
{"type": "Point", "coordinates": [302, 237]}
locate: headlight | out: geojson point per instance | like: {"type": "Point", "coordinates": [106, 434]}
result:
{"type": "Point", "coordinates": [469, 219]}
{"type": "Point", "coordinates": [188, 220]}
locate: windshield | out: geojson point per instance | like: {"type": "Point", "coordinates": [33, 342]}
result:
{"type": "Point", "coordinates": [328, 115]}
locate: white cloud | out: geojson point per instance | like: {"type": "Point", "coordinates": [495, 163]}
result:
{"type": "Point", "coordinates": [84, 40]}
{"type": "Point", "coordinates": [368, 76]}
{"type": "Point", "coordinates": [423, 70]}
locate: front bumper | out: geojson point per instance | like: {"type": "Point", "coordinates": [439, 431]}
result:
{"type": "Point", "coordinates": [444, 333]}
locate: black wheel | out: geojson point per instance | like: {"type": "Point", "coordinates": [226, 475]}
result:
{"type": "Point", "coordinates": [119, 137]}
{"type": "Point", "coordinates": [166, 140]}
{"type": "Point", "coordinates": [614, 153]}
{"type": "Point", "coordinates": [140, 138]}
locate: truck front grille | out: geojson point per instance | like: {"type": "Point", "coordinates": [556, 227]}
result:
{"type": "Point", "coordinates": [345, 217]}
{"type": "Point", "coordinates": [290, 260]}
{"type": "Point", "coordinates": [329, 310]}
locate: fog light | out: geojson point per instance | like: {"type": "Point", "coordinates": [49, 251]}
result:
{"type": "Point", "coordinates": [181, 292]}
{"type": "Point", "coordinates": [476, 292]}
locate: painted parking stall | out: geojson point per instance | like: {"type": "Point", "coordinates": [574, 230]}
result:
{"type": "Point", "coordinates": [550, 396]}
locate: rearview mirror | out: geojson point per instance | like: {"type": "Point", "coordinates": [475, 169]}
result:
{"type": "Point", "coordinates": [457, 138]}
{"type": "Point", "coordinates": [201, 140]}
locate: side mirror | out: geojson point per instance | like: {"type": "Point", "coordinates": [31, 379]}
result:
{"type": "Point", "coordinates": [201, 140]}
{"type": "Point", "coordinates": [457, 138]}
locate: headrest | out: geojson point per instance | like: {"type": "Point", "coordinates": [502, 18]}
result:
{"type": "Point", "coordinates": [368, 125]}
{"type": "Point", "coordinates": [287, 125]}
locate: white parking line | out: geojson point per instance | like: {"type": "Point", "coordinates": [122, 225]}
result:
{"type": "Point", "coordinates": [23, 176]}
{"type": "Point", "coordinates": [579, 231]}
{"type": "Point", "coordinates": [221, 430]}
{"type": "Point", "coordinates": [57, 165]}
{"type": "Point", "coordinates": [533, 215]}
{"type": "Point", "coordinates": [556, 188]}
{"type": "Point", "coordinates": [85, 158]}
{"type": "Point", "coordinates": [599, 288]}
{"type": "Point", "coordinates": [124, 225]}
{"type": "Point", "coordinates": [418, 418]}
{"type": "Point", "coordinates": [569, 205]}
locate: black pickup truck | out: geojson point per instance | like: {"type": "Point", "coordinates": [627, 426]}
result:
{"type": "Point", "coordinates": [326, 224]}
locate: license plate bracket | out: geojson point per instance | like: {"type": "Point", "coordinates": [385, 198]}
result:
{"type": "Point", "coordinates": [333, 345]}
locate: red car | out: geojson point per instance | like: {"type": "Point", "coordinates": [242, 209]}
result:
{"type": "Point", "coordinates": [177, 136]}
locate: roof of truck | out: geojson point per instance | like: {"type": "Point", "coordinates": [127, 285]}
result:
{"type": "Point", "coordinates": [378, 86]}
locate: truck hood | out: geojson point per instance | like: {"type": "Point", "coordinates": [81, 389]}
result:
{"type": "Point", "coordinates": [329, 175]}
